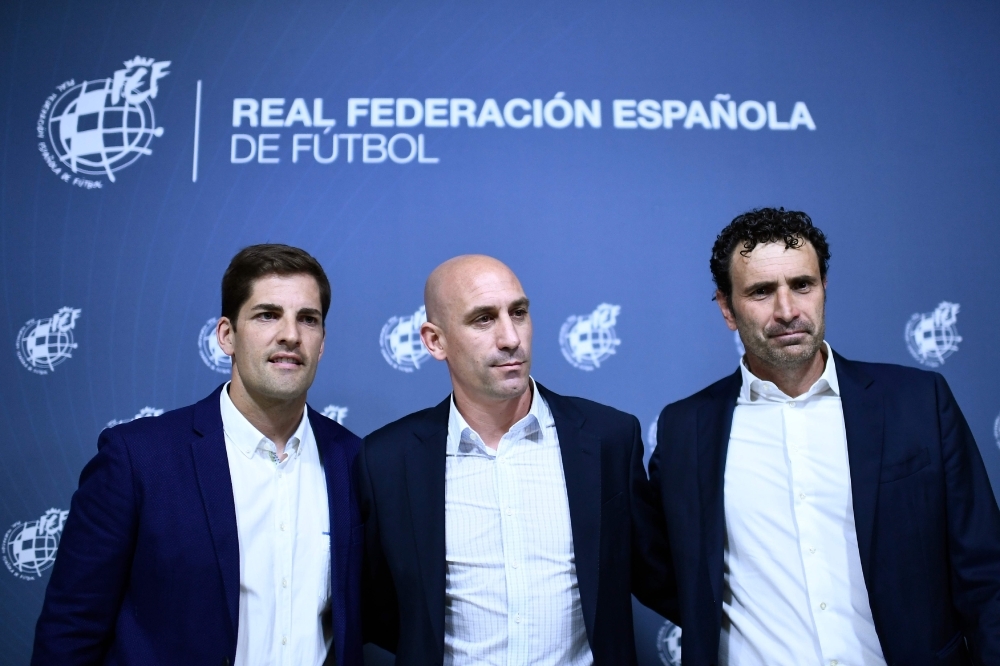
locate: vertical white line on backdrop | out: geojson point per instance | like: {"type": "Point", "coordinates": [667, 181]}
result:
{"type": "Point", "coordinates": [197, 126]}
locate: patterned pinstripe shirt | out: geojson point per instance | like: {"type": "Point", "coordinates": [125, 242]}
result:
{"type": "Point", "coordinates": [511, 592]}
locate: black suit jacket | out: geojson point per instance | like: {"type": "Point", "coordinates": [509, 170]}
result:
{"type": "Point", "coordinates": [927, 522]}
{"type": "Point", "coordinates": [402, 484]}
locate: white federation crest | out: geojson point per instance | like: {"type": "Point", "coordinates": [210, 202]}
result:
{"type": "Point", "coordinates": [400, 341]}
{"type": "Point", "coordinates": [335, 413]}
{"type": "Point", "coordinates": [668, 644]}
{"type": "Point", "coordinates": [211, 352]}
{"type": "Point", "coordinates": [588, 340]}
{"type": "Point", "coordinates": [29, 548]}
{"type": "Point", "coordinates": [145, 412]}
{"type": "Point", "coordinates": [932, 337]}
{"type": "Point", "coordinates": [96, 128]}
{"type": "Point", "coordinates": [42, 344]}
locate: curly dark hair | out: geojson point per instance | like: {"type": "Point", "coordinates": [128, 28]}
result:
{"type": "Point", "coordinates": [764, 225]}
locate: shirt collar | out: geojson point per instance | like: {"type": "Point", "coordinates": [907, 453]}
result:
{"type": "Point", "coordinates": [754, 388]}
{"type": "Point", "coordinates": [463, 439]}
{"type": "Point", "coordinates": [246, 437]}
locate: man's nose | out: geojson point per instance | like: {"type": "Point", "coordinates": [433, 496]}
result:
{"type": "Point", "coordinates": [507, 336]}
{"type": "Point", "coordinates": [784, 305]}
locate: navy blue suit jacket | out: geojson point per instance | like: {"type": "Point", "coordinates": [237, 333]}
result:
{"type": "Point", "coordinates": [148, 568]}
{"type": "Point", "coordinates": [926, 518]}
{"type": "Point", "coordinates": [401, 472]}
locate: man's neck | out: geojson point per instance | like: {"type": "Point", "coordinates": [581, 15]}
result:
{"type": "Point", "coordinates": [491, 419]}
{"type": "Point", "coordinates": [794, 381]}
{"type": "Point", "coordinates": [276, 420]}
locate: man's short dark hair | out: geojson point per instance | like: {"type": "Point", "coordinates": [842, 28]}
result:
{"type": "Point", "coordinates": [764, 225]}
{"type": "Point", "coordinates": [257, 261]}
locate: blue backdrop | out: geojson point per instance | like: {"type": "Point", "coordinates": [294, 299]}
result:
{"type": "Point", "coordinates": [596, 148]}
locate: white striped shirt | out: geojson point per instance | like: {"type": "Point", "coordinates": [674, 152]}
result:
{"type": "Point", "coordinates": [511, 592]}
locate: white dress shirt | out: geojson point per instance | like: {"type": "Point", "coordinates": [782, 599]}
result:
{"type": "Point", "coordinates": [283, 522]}
{"type": "Point", "coordinates": [794, 592]}
{"type": "Point", "coordinates": [511, 592]}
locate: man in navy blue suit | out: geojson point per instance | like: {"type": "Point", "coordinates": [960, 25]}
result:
{"type": "Point", "coordinates": [226, 532]}
{"type": "Point", "coordinates": [502, 524]}
{"type": "Point", "coordinates": [820, 510]}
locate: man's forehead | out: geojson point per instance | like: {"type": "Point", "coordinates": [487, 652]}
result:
{"type": "Point", "coordinates": [296, 286]}
{"type": "Point", "coordinates": [776, 257]}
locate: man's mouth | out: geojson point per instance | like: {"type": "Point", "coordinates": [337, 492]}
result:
{"type": "Point", "coordinates": [285, 360]}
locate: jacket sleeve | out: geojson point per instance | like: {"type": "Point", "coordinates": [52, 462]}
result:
{"type": "Point", "coordinates": [653, 581]}
{"type": "Point", "coordinates": [379, 610]}
{"type": "Point", "coordinates": [93, 563]}
{"type": "Point", "coordinates": [973, 531]}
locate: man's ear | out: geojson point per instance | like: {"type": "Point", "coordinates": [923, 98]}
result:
{"type": "Point", "coordinates": [224, 333]}
{"type": "Point", "coordinates": [434, 340]}
{"type": "Point", "coordinates": [727, 311]}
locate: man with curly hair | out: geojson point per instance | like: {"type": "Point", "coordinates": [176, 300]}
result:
{"type": "Point", "coordinates": [820, 510]}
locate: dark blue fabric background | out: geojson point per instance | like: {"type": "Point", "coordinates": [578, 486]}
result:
{"type": "Point", "coordinates": [901, 173]}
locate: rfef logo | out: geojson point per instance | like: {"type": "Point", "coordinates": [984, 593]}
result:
{"type": "Point", "coordinates": [96, 128]}
{"type": "Point", "coordinates": [588, 340]}
{"type": "Point", "coordinates": [42, 344]}
{"type": "Point", "coordinates": [29, 548]}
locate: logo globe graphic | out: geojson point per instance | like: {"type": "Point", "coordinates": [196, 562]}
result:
{"type": "Point", "coordinates": [30, 548]}
{"type": "Point", "coordinates": [31, 552]}
{"type": "Point", "coordinates": [588, 340]}
{"type": "Point", "coordinates": [668, 644]}
{"type": "Point", "coordinates": [45, 347]}
{"type": "Point", "coordinates": [42, 344]}
{"type": "Point", "coordinates": [91, 134]}
{"type": "Point", "coordinates": [210, 351]}
{"type": "Point", "coordinates": [931, 337]}
{"type": "Point", "coordinates": [400, 341]}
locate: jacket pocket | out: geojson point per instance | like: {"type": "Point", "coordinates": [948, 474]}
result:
{"type": "Point", "coordinates": [900, 470]}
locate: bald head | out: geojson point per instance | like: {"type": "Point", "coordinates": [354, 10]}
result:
{"type": "Point", "coordinates": [451, 283]}
{"type": "Point", "coordinates": [478, 321]}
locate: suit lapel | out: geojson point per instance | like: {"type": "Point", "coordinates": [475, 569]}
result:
{"type": "Point", "coordinates": [212, 470]}
{"type": "Point", "coordinates": [864, 423]}
{"type": "Point", "coordinates": [425, 472]}
{"type": "Point", "coordinates": [336, 471]}
{"type": "Point", "coordinates": [581, 457]}
{"type": "Point", "coordinates": [715, 421]}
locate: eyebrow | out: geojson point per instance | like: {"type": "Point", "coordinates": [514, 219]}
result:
{"type": "Point", "coordinates": [489, 309]}
{"type": "Point", "coordinates": [272, 307]}
{"type": "Point", "coordinates": [772, 283]}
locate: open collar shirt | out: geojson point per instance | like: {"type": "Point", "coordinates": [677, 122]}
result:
{"type": "Point", "coordinates": [283, 523]}
{"type": "Point", "coordinates": [794, 591]}
{"type": "Point", "coordinates": [511, 592]}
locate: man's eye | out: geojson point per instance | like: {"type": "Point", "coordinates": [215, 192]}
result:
{"type": "Point", "coordinates": [267, 316]}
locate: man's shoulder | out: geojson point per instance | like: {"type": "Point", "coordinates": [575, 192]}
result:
{"type": "Point", "coordinates": [169, 424]}
{"type": "Point", "coordinates": [594, 412]}
{"type": "Point", "coordinates": [719, 391]}
{"type": "Point", "coordinates": [422, 422]}
{"type": "Point", "coordinates": [892, 373]}
{"type": "Point", "coordinates": [326, 429]}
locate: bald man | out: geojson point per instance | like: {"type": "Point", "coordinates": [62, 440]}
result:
{"type": "Point", "coordinates": [505, 525]}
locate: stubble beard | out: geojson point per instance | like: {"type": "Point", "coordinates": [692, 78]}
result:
{"type": "Point", "coordinates": [759, 343]}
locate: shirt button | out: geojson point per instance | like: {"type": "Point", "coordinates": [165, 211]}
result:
{"type": "Point", "coordinates": [801, 496]}
{"type": "Point", "coordinates": [284, 582]}
{"type": "Point", "coordinates": [833, 662]}
{"type": "Point", "coordinates": [822, 606]}
{"type": "Point", "coordinates": [812, 550]}
{"type": "Point", "coordinates": [513, 564]}
{"type": "Point", "coordinates": [510, 511]}
{"type": "Point", "coordinates": [284, 640]}
{"type": "Point", "coordinates": [517, 618]}
{"type": "Point", "coordinates": [282, 526]}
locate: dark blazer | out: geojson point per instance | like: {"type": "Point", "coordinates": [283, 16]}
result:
{"type": "Point", "coordinates": [148, 569]}
{"type": "Point", "coordinates": [402, 484]}
{"type": "Point", "coordinates": [927, 521]}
